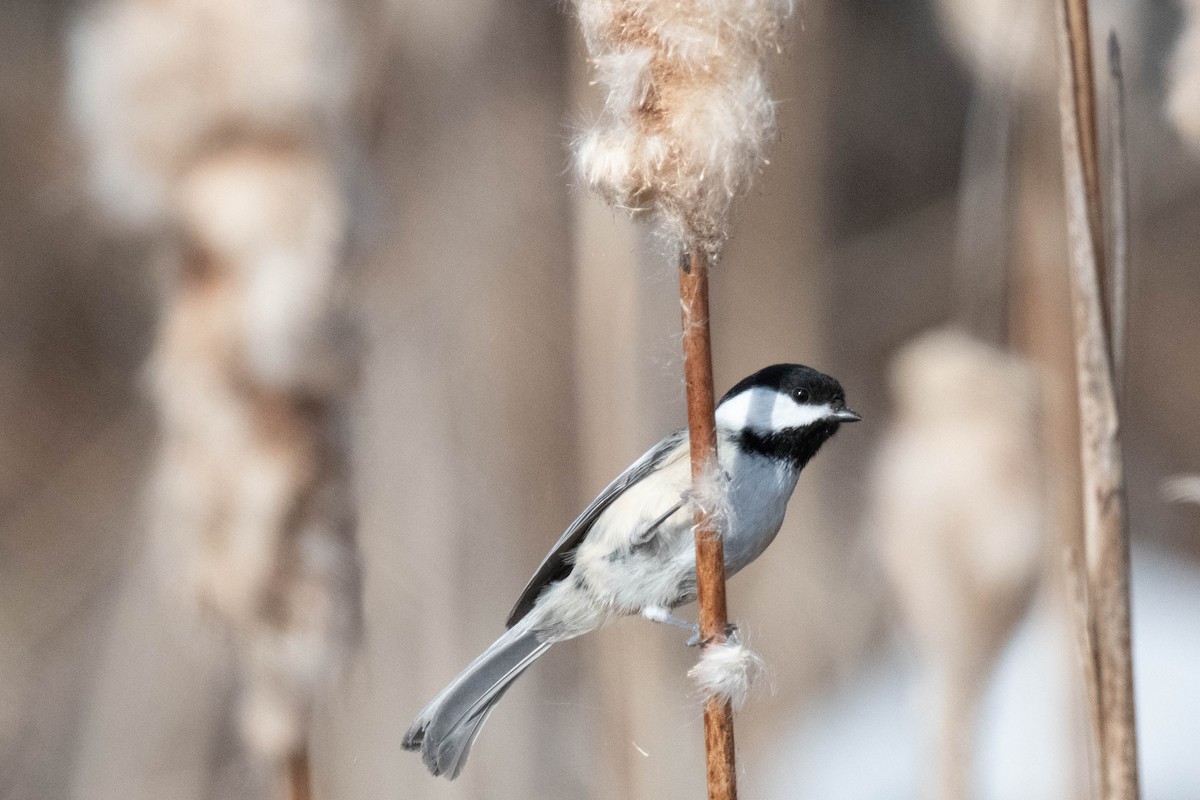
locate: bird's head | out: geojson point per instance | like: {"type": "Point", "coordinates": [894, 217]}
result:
{"type": "Point", "coordinates": [785, 410]}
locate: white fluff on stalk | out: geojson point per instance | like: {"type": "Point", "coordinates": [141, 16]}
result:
{"type": "Point", "coordinates": [710, 496]}
{"type": "Point", "coordinates": [728, 671]}
{"type": "Point", "coordinates": [958, 512]}
{"type": "Point", "coordinates": [687, 115]}
{"type": "Point", "coordinates": [214, 121]}
{"type": "Point", "coordinates": [1183, 100]}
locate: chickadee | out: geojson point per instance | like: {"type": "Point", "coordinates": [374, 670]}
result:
{"type": "Point", "coordinates": [632, 550]}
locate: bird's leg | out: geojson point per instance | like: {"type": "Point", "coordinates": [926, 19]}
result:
{"type": "Point", "coordinates": [663, 615]}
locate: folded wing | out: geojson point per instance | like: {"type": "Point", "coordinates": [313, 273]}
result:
{"type": "Point", "coordinates": [557, 564]}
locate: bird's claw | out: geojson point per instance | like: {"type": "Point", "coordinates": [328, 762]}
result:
{"type": "Point", "coordinates": [731, 630]}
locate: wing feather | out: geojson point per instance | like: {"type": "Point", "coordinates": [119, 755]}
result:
{"type": "Point", "coordinates": [557, 564]}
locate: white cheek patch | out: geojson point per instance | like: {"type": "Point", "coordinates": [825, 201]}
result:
{"type": "Point", "coordinates": [767, 411]}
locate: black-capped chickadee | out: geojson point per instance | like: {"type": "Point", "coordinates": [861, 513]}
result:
{"type": "Point", "coordinates": [632, 551]}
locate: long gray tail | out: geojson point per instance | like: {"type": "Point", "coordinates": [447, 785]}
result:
{"type": "Point", "coordinates": [446, 728]}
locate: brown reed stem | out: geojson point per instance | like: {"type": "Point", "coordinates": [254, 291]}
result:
{"type": "Point", "coordinates": [710, 551]}
{"type": "Point", "coordinates": [299, 777]}
{"type": "Point", "coordinates": [1085, 647]}
{"type": "Point", "coordinates": [1119, 215]}
{"type": "Point", "coordinates": [1106, 535]}
{"type": "Point", "coordinates": [1083, 89]}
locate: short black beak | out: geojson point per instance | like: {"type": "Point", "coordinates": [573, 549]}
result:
{"type": "Point", "coordinates": [846, 415]}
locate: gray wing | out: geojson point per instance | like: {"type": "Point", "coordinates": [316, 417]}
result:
{"type": "Point", "coordinates": [557, 564]}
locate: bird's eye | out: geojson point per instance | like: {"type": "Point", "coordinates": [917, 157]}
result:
{"type": "Point", "coordinates": [800, 395]}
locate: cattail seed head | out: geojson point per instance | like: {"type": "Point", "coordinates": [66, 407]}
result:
{"type": "Point", "coordinates": [687, 114]}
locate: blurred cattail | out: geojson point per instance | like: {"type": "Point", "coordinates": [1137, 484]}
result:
{"type": "Point", "coordinates": [212, 124]}
{"type": "Point", "coordinates": [157, 85]}
{"type": "Point", "coordinates": [1008, 45]}
{"type": "Point", "coordinates": [1182, 489]}
{"type": "Point", "coordinates": [1183, 101]}
{"type": "Point", "coordinates": [687, 114]}
{"type": "Point", "coordinates": [958, 511]}
{"type": "Point", "coordinates": [1004, 42]}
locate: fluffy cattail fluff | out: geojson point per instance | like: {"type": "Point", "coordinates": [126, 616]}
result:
{"type": "Point", "coordinates": [687, 114]}
{"type": "Point", "coordinates": [958, 510]}
{"type": "Point", "coordinates": [212, 120]}
{"type": "Point", "coordinates": [1183, 101]}
{"type": "Point", "coordinates": [710, 496]}
{"type": "Point", "coordinates": [728, 671]}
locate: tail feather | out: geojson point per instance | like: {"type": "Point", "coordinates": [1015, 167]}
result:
{"type": "Point", "coordinates": [445, 730]}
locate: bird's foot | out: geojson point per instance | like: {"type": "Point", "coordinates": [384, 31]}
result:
{"type": "Point", "coordinates": [731, 630]}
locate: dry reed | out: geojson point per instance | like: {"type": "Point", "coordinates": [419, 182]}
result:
{"type": "Point", "coordinates": [1106, 536]}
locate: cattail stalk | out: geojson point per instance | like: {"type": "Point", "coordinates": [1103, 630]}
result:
{"type": "Point", "coordinates": [299, 776]}
{"type": "Point", "coordinates": [710, 550]}
{"type": "Point", "coordinates": [683, 132]}
{"type": "Point", "coordinates": [1106, 537]}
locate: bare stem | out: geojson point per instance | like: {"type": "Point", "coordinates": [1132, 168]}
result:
{"type": "Point", "coordinates": [710, 551]}
{"type": "Point", "coordinates": [1083, 89]}
{"type": "Point", "coordinates": [1119, 217]}
{"type": "Point", "coordinates": [1106, 535]}
{"type": "Point", "coordinates": [299, 779]}
{"type": "Point", "coordinates": [1085, 646]}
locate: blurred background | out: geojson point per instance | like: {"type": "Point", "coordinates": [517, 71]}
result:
{"type": "Point", "coordinates": [303, 310]}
